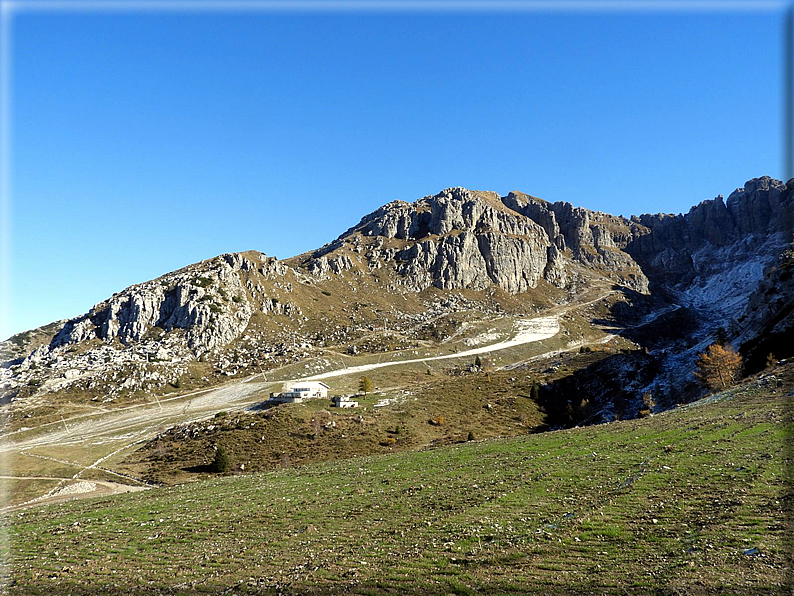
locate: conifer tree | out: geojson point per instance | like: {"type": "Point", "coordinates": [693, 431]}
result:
{"type": "Point", "coordinates": [365, 385]}
{"type": "Point", "coordinates": [221, 461]}
{"type": "Point", "coordinates": [718, 367]}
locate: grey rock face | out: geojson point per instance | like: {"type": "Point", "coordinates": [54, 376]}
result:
{"type": "Point", "coordinates": [468, 239]}
{"type": "Point", "coordinates": [197, 300]}
{"type": "Point", "coordinates": [555, 272]}
{"type": "Point", "coordinates": [454, 262]}
{"type": "Point", "coordinates": [596, 239]}
{"type": "Point", "coordinates": [323, 266]}
{"type": "Point", "coordinates": [461, 239]}
{"type": "Point", "coordinates": [574, 225]}
{"type": "Point", "coordinates": [538, 211]}
{"type": "Point", "coordinates": [453, 209]}
{"type": "Point", "coordinates": [514, 265]}
{"type": "Point", "coordinates": [763, 206]}
{"type": "Point", "coordinates": [767, 324]}
{"type": "Point", "coordinates": [753, 223]}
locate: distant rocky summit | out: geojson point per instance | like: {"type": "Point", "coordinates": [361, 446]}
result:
{"type": "Point", "coordinates": [406, 266]}
{"type": "Point", "coordinates": [469, 239]}
{"type": "Point", "coordinates": [716, 235]}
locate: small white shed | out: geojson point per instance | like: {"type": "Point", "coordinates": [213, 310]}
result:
{"type": "Point", "coordinates": [343, 401]}
{"type": "Point", "coordinates": [297, 392]}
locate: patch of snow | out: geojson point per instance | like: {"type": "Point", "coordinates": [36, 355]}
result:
{"type": "Point", "coordinates": [728, 275]}
{"type": "Point", "coordinates": [728, 291]}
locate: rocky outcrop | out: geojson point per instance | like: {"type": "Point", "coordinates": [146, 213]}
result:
{"type": "Point", "coordinates": [469, 239]}
{"type": "Point", "coordinates": [208, 302]}
{"type": "Point", "coordinates": [673, 250]}
{"type": "Point", "coordinates": [595, 239]}
{"type": "Point", "coordinates": [452, 262]}
{"type": "Point", "coordinates": [457, 239]}
{"type": "Point", "coordinates": [324, 266]}
{"type": "Point", "coordinates": [538, 211]}
{"type": "Point", "coordinates": [767, 324]}
{"type": "Point", "coordinates": [452, 210]}
{"type": "Point", "coordinates": [475, 261]}
{"type": "Point", "coordinates": [714, 257]}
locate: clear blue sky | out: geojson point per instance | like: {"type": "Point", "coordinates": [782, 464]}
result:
{"type": "Point", "coordinates": [145, 141]}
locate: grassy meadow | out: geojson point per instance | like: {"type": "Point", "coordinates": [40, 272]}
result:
{"type": "Point", "coordinates": [694, 500]}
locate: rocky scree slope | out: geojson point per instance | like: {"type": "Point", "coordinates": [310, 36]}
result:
{"type": "Point", "coordinates": [715, 254]}
{"type": "Point", "coordinates": [243, 312]}
{"type": "Point", "coordinates": [727, 264]}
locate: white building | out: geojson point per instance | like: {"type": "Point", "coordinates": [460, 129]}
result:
{"type": "Point", "coordinates": [343, 401]}
{"type": "Point", "coordinates": [295, 393]}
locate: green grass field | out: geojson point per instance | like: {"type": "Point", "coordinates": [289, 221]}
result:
{"type": "Point", "coordinates": [694, 500]}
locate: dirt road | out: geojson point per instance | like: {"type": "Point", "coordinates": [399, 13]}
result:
{"type": "Point", "coordinates": [133, 424]}
{"type": "Point", "coordinates": [528, 331]}
{"type": "Point", "coordinates": [69, 488]}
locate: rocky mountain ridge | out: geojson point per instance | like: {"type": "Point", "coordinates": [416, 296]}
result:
{"type": "Point", "coordinates": [469, 239]}
{"type": "Point", "coordinates": [717, 238]}
{"type": "Point", "coordinates": [242, 312]}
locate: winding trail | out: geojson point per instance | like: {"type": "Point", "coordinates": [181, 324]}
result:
{"type": "Point", "coordinates": [68, 489]}
{"type": "Point", "coordinates": [528, 331]}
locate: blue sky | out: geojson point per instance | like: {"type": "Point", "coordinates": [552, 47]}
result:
{"type": "Point", "coordinates": [143, 141]}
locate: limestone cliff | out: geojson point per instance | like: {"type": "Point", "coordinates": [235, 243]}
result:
{"type": "Point", "coordinates": [470, 239]}
{"type": "Point", "coordinates": [209, 303]}
{"type": "Point", "coordinates": [715, 255]}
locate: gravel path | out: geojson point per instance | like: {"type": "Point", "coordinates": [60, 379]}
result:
{"type": "Point", "coordinates": [528, 331]}
{"type": "Point", "coordinates": [63, 492]}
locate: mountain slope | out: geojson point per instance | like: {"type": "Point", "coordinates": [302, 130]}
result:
{"type": "Point", "coordinates": [694, 500]}
{"type": "Point", "coordinates": [411, 275]}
